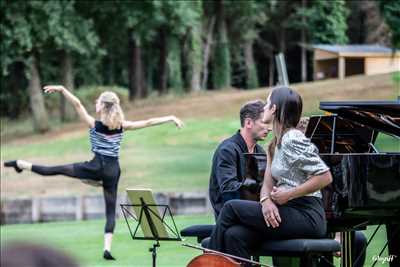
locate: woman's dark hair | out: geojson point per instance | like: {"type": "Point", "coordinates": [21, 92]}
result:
{"type": "Point", "coordinates": [289, 106]}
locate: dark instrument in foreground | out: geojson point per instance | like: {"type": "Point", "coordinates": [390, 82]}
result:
{"type": "Point", "coordinates": [366, 182]}
{"type": "Point", "coordinates": [216, 258]}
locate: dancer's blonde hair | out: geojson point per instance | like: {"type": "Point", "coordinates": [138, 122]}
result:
{"type": "Point", "coordinates": [111, 113]}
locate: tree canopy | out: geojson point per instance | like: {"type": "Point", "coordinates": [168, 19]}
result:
{"type": "Point", "coordinates": [156, 47]}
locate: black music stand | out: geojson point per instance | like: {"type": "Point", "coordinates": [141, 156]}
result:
{"type": "Point", "coordinates": [154, 226]}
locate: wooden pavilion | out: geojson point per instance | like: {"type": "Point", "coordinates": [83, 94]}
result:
{"type": "Point", "coordinates": [340, 61]}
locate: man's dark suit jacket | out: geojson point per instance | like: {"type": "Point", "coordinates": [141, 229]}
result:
{"type": "Point", "coordinates": [228, 170]}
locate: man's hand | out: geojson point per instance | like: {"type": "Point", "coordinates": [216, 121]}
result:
{"type": "Point", "coordinates": [281, 196]}
{"type": "Point", "coordinates": [271, 213]}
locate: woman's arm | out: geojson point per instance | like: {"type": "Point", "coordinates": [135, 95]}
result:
{"type": "Point", "coordinates": [80, 109]}
{"type": "Point", "coordinates": [267, 184]}
{"type": "Point", "coordinates": [315, 183]}
{"type": "Point", "coordinates": [269, 209]}
{"type": "Point", "coordinates": [133, 125]}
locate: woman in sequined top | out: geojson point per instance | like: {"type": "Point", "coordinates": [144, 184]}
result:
{"type": "Point", "coordinates": [290, 203]}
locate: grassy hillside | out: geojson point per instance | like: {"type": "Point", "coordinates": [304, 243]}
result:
{"type": "Point", "coordinates": [163, 157]}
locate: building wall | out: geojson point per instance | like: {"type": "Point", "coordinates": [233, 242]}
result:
{"type": "Point", "coordinates": [325, 69]}
{"type": "Point", "coordinates": [321, 54]}
{"type": "Point", "coordinates": [376, 65]}
{"type": "Point", "coordinates": [49, 209]}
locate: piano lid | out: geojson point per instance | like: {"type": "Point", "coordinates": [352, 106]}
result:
{"type": "Point", "coordinates": [349, 137]}
{"type": "Point", "coordinates": [383, 116]}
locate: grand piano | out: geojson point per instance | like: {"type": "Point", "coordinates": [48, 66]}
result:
{"type": "Point", "coordinates": [366, 182]}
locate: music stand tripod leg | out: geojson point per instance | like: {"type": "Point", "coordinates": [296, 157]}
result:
{"type": "Point", "coordinates": [153, 251]}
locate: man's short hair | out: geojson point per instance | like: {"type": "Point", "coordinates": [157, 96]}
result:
{"type": "Point", "coordinates": [252, 110]}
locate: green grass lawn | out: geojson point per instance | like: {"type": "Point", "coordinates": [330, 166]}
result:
{"type": "Point", "coordinates": [84, 241]}
{"type": "Point", "coordinates": [162, 158]}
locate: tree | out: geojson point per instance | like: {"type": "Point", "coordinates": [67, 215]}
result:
{"type": "Point", "coordinates": [35, 29]}
{"type": "Point", "coordinates": [208, 26]}
{"type": "Point", "coordinates": [391, 14]}
{"type": "Point", "coordinates": [320, 22]}
{"type": "Point", "coordinates": [25, 31]}
{"type": "Point", "coordinates": [222, 57]}
{"type": "Point", "coordinates": [138, 23]}
{"type": "Point", "coordinates": [73, 36]}
{"type": "Point", "coordinates": [245, 21]}
{"type": "Point", "coordinates": [277, 35]}
{"type": "Point", "coordinates": [326, 21]}
{"type": "Point", "coordinates": [303, 44]}
{"type": "Point", "coordinates": [194, 48]}
{"type": "Point", "coordinates": [172, 21]}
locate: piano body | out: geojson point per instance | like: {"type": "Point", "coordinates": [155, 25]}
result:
{"type": "Point", "coordinates": [366, 182]}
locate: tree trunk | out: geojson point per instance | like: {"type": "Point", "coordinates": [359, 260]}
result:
{"type": "Point", "coordinates": [222, 61]}
{"type": "Point", "coordinates": [109, 73]}
{"type": "Point", "coordinates": [138, 69]}
{"type": "Point", "coordinates": [135, 70]}
{"type": "Point", "coordinates": [251, 70]}
{"type": "Point", "coordinates": [67, 112]}
{"type": "Point", "coordinates": [303, 48]}
{"type": "Point", "coordinates": [282, 40]}
{"type": "Point", "coordinates": [17, 82]}
{"type": "Point", "coordinates": [206, 54]}
{"type": "Point", "coordinates": [174, 64]}
{"type": "Point", "coordinates": [271, 69]}
{"type": "Point", "coordinates": [144, 91]}
{"type": "Point", "coordinates": [163, 62]}
{"type": "Point", "coordinates": [40, 119]}
{"type": "Point", "coordinates": [377, 32]}
{"type": "Point", "coordinates": [131, 67]}
{"type": "Point", "coordinates": [194, 58]}
{"type": "Point", "coordinates": [148, 79]}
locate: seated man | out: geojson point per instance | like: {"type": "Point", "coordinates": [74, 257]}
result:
{"type": "Point", "coordinates": [228, 164]}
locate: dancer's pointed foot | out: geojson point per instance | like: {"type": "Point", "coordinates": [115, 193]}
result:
{"type": "Point", "coordinates": [13, 163]}
{"type": "Point", "coordinates": [107, 255]}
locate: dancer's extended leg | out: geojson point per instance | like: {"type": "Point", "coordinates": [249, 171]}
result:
{"type": "Point", "coordinates": [85, 171]}
{"type": "Point", "coordinates": [67, 170]}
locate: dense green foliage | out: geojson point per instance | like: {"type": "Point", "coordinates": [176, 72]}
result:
{"type": "Point", "coordinates": [159, 46]}
{"type": "Point", "coordinates": [326, 22]}
{"type": "Point", "coordinates": [391, 13]}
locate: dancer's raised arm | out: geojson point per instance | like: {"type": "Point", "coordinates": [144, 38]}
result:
{"type": "Point", "coordinates": [133, 125]}
{"type": "Point", "coordinates": [80, 109]}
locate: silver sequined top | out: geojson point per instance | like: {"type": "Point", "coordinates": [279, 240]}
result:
{"type": "Point", "coordinates": [296, 161]}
